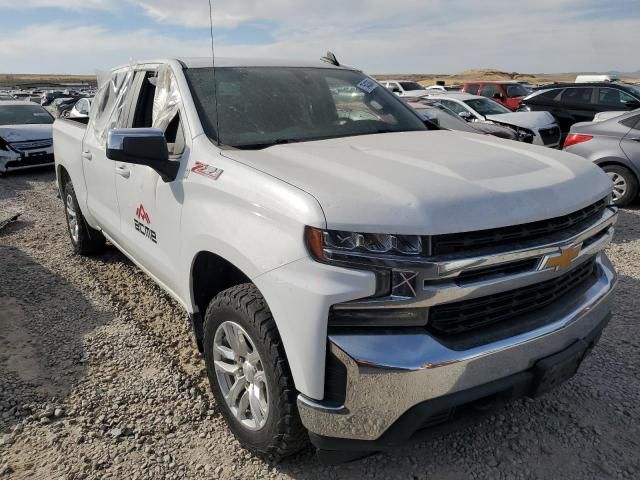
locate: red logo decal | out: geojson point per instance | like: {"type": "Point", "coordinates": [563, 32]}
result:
{"type": "Point", "coordinates": [142, 214]}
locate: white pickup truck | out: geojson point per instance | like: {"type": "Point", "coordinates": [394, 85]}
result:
{"type": "Point", "coordinates": [351, 276]}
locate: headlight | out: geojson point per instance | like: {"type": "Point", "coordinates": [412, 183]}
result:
{"type": "Point", "coordinates": [336, 246]}
{"type": "Point", "coordinates": [391, 257]}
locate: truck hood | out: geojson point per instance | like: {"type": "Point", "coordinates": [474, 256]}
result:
{"type": "Point", "coordinates": [525, 119]}
{"type": "Point", "coordinates": [432, 182]}
{"type": "Point", "coordinates": [22, 133]}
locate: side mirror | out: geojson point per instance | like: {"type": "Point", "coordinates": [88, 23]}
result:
{"type": "Point", "coordinates": [497, 96]}
{"type": "Point", "coordinates": [466, 116]}
{"type": "Point", "coordinates": [632, 104]}
{"type": "Point", "coordinates": [142, 146]}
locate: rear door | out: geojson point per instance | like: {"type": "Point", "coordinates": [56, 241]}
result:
{"type": "Point", "coordinates": [630, 143]}
{"type": "Point", "coordinates": [150, 209]}
{"type": "Point", "coordinates": [109, 112]}
{"type": "Point", "coordinates": [575, 105]}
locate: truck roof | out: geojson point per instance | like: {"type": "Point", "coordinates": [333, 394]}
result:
{"type": "Point", "coordinates": [203, 62]}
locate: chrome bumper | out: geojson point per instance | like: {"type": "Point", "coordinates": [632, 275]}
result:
{"type": "Point", "coordinates": [387, 374]}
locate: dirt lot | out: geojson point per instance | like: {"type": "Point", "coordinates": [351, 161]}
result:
{"type": "Point", "coordinates": [99, 378]}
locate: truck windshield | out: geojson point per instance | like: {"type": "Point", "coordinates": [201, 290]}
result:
{"type": "Point", "coordinates": [263, 106]}
{"type": "Point", "coordinates": [24, 115]}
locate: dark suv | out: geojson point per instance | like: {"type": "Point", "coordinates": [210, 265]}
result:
{"type": "Point", "coordinates": [579, 102]}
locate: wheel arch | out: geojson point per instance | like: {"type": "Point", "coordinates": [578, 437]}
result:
{"type": "Point", "coordinates": [621, 162]}
{"type": "Point", "coordinates": [210, 274]}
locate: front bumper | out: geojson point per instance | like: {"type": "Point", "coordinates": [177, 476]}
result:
{"type": "Point", "coordinates": [390, 373]}
{"type": "Point", "coordinates": [10, 160]}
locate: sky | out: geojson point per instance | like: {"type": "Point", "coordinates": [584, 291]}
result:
{"type": "Point", "coordinates": [378, 36]}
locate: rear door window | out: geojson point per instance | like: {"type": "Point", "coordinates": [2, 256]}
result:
{"type": "Point", "coordinates": [632, 122]}
{"type": "Point", "coordinates": [577, 95]}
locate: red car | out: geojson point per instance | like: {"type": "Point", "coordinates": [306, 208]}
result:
{"type": "Point", "coordinates": [509, 94]}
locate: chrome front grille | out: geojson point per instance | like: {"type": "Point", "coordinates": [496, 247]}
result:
{"type": "Point", "coordinates": [462, 317]}
{"type": "Point", "coordinates": [32, 145]}
{"type": "Point", "coordinates": [443, 283]}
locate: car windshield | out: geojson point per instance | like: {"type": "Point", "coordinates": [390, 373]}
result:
{"type": "Point", "coordinates": [24, 115]}
{"type": "Point", "coordinates": [517, 91]}
{"type": "Point", "coordinates": [484, 106]}
{"type": "Point", "coordinates": [635, 89]}
{"type": "Point", "coordinates": [408, 86]}
{"type": "Point", "coordinates": [258, 107]}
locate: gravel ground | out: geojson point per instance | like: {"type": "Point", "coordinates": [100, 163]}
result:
{"type": "Point", "coordinates": [99, 378]}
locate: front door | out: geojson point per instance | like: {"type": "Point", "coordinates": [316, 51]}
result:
{"type": "Point", "coordinates": [150, 209]}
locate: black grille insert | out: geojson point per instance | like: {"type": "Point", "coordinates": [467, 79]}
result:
{"type": "Point", "coordinates": [503, 237]}
{"type": "Point", "coordinates": [468, 315]}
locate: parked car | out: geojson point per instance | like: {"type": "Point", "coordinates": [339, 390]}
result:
{"type": "Point", "coordinates": [48, 97]}
{"type": "Point", "coordinates": [349, 282]}
{"type": "Point", "coordinates": [614, 145]}
{"type": "Point", "coordinates": [81, 108]}
{"type": "Point", "coordinates": [444, 118]}
{"type": "Point", "coordinates": [4, 97]}
{"type": "Point", "coordinates": [61, 106]}
{"type": "Point", "coordinates": [507, 93]}
{"type": "Point", "coordinates": [405, 88]}
{"type": "Point", "coordinates": [572, 103]}
{"type": "Point", "coordinates": [25, 136]}
{"type": "Point", "coordinates": [473, 108]}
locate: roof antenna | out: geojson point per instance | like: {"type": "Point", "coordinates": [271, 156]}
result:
{"type": "Point", "coordinates": [330, 58]}
{"type": "Point", "coordinates": [213, 62]}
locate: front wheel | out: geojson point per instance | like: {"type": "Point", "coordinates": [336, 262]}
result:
{"type": "Point", "coordinates": [249, 373]}
{"type": "Point", "coordinates": [625, 184]}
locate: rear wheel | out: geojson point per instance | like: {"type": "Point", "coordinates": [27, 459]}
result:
{"type": "Point", "coordinates": [85, 240]}
{"type": "Point", "coordinates": [625, 184]}
{"type": "Point", "coordinates": [249, 373]}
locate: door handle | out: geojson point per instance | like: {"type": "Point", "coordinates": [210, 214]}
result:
{"type": "Point", "coordinates": [635, 139]}
{"type": "Point", "coordinates": [87, 155]}
{"type": "Point", "coordinates": [123, 171]}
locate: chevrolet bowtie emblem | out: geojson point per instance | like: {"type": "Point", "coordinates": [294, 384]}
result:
{"type": "Point", "coordinates": [563, 259]}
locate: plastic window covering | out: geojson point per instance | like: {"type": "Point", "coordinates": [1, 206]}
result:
{"type": "Point", "coordinates": [107, 111]}
{"type": "Point", "coordinates": [167, 101]}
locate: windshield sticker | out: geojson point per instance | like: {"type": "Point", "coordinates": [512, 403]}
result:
{"type": "Point", "coordinates": [367, 85]}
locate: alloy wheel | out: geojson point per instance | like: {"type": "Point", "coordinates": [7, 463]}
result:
{"type": "Point", "coordinates": [241, 375]}
{"type": "Point", "coordinates": [619, 185]}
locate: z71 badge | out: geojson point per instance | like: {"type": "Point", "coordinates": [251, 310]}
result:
{"type": "Point", "coordinates": [207, 170]}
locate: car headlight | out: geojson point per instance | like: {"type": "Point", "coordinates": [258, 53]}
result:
{"type": "Point", "coordinates": [391, 257]}
{"type": "Point", "coordinates": [337, 246]}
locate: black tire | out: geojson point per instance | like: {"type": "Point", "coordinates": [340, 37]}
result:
{"type": "Point", "coordinates": [283, 433]}
{"type": "Point", "coordinates": [89, 241]}
{"type": "Point", "coordinates": [630, 182]}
